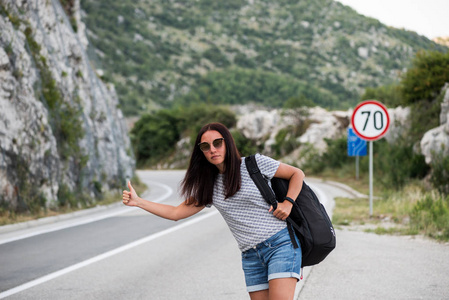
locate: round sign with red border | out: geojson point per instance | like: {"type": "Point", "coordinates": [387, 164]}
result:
{"type": "Point", "coordinates": [370, 120]}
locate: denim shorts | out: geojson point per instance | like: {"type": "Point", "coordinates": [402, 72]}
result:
{"type": "Point", "coordinates": [274, 258]}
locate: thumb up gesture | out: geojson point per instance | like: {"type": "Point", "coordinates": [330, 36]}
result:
{"type": "Point", "coordinates": [130, 197]}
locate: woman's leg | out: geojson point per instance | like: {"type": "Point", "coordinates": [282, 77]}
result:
{"type": "Point", "coordinates": [259, 295]}
{"type": "Point", "coordinates": [272, 270]}
{"type": "Point", "coordinates": [282, 288]}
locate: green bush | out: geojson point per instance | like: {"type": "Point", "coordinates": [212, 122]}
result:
{"type": "Point", "coordinates": [155, 135]}
{"type": "Point", "coordinates": [66, 198]}
{"type": "Point", "coordinates": [245, 146]}
{"type": "Point", "coordinates": [421, 89]}
{"type": "Point", "coordinates": [335, 156]}
{"type": "Point", "coordinates": [313, 162]}
{"type": "Point", "coordinates": [389, 95]}
{"type": "Point", "coordinates": [396, 163]}
{"type": "Point", "coordinates": [424, 80]}
{"type": "Point", "coordinates": [285, 141]}
{"type": "Point", "coordinates": [337, 153]}
{"type": "Point", "coordinates": [195, 116]}
{"type": "Point", "coordinates": [423, 117]}
{"type": "Point", "coordinates": [440, 173]}
{"type": "Point", "coordinates": [29, 198]}
{"type": "Point", "coordinates": [216, 57]}
{"type": "Point", "coordinates": [298, 102]}
{"type": "Point", "coordinates": [431, 216]}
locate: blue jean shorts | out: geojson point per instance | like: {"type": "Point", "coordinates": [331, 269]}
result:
{"type": "Point", "coordinates": [274, 258]}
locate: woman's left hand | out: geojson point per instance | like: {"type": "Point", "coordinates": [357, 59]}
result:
{"type": "Point", "coordinates": [283, 210]}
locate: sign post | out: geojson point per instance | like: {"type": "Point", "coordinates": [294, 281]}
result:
{"type": "Point", "coordinates": [356, 147]}
{"type": "Point", "coordinates": [370, 121]}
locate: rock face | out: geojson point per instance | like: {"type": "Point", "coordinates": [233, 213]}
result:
{"type": "Point", "coordinates": [399, 123]}
{"type": "Point", "coordinates": [61, 132]}
{"type": "Point", "coordinates": [260, 123]}
{"type": "Point", "coordinates": [325, 125]}
{"type": "Point", "coordinates": [436, 140]}
{"type": "Point", "coordinates": [264, 125]}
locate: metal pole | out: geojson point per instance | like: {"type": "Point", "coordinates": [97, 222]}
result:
{"type": "Point", "coordinates": [370, 178]}
{"type": "Point", "coordinates": [357, 167]}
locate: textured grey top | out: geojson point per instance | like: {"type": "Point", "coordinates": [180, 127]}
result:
{"type": "Point", "coordinates": [246, 213]}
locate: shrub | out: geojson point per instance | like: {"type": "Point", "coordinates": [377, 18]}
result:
{"type": "Point", "coordinates": [429, 73]}
{"type": "Point", "coordinates": [396, 163]}
{"type": "Point", "coordinates": [421, 89]}
{"type": "Point", "coordinates": [431, 216]}
{"type": "Point", "coordinates": [154, 136]}
{"type": "Point", "coordinates": [312, 160]}
{"type": "Point", "coordinates": [285, 141]}
{"type": "Point", "coordinates": [337, 154]}
{"type": "Point", "coordinates": [440, 173]}
{"type": "Point", "coordinates": [389, 95]}
{"type": "Point", "coordinates": [245, 146]}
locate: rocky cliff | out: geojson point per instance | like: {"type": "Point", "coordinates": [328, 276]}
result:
{"type": "Point", "coordinates": [436, 140]}
{"type": "Point", "coordinates": [63, 139]}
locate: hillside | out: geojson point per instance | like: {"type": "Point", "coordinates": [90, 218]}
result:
{"type": "Point", "coordinates": [63, 141]}
{"type": "Point", "coordinates": [158, 52]}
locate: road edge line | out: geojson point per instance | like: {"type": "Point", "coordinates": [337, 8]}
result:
{"type": "Point", "coordinates": [100, 257]}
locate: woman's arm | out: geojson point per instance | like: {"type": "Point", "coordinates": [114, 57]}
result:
{"type": "Point", "coordinates": [170, 212]}
{"type": "Point", "coordinates": [295, 177]}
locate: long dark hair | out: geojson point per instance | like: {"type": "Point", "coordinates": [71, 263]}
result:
{"type": "Point", "coordinates": [198, 184]}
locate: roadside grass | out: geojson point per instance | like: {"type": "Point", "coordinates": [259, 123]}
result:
{"type": "Point", "coordinates": [411, 211]}
{"type": "Point", "coordinates": [109, 197]}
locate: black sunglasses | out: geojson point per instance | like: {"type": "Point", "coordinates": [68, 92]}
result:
{"type": "Point", "coordinates": [204, 146]}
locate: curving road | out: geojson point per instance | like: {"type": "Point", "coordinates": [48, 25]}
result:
{"type": "Point", "coordinates": [125, 253]}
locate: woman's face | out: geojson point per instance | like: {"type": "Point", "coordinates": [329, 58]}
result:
{"type": "Point", "coordinates": [217, 149]}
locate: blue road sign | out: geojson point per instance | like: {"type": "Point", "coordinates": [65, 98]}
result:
{"type": "Point", "coordinates": [356, 146]}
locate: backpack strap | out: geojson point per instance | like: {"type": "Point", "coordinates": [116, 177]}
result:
{"type": "Point", "coordinates": [291, 232]}
{"type": "Point", "coordinates": [260, 181]}
{"type": "Point", "coordinates": [267, 193]}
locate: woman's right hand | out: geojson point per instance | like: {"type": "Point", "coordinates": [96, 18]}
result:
{"type": "Point", "coordinates": [130, 197]}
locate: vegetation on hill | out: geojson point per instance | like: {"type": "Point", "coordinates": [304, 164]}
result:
{"type": "Point", "coordinates": [162, 52]}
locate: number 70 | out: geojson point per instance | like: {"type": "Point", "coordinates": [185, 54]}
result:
{"type": "Point", "coordinates": [378, 120]}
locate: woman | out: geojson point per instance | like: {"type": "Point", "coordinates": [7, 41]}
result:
{"type": "Point", "coordinates": [217, 176]}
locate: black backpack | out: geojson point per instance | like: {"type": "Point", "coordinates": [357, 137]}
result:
{"type": "Point", "coordinates": [308, 218]}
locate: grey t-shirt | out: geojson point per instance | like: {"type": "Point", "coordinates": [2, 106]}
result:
{"type": "Point", "coordinates": [246, 213]}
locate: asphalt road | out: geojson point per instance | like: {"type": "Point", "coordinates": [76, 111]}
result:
{"type": "Point", "coordinates": [125, 253]}
{"type": "Point", "coordinates": [369, 266]}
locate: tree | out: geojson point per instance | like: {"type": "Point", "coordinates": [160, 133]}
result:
{"type": "Point", "coordinates": [389, 95]}
{"type": "Point", "coordinates": [420, 88]}
{"type": "Point", "coordinates": [424, 80]}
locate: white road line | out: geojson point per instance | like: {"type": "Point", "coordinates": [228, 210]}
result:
{"type": "Point", "coordinates": [86, 220]}
{"type": "Point", "coordinates": [95, 259]}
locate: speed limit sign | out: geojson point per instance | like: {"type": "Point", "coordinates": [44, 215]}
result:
{"type": "Point", "coordinates": [370, 120]}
